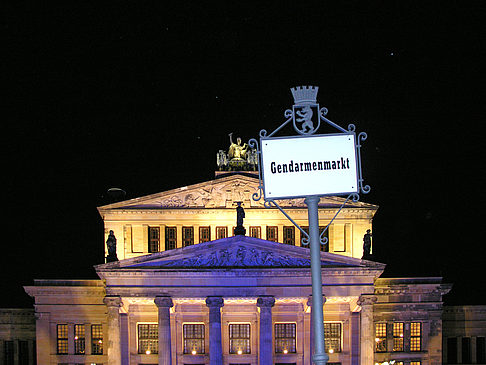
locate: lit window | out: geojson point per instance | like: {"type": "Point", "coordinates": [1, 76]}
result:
{"type": "Point", "coordinates": [289, 235]}
{"type": "Point", "coordinates": [239, 336]}
{"type": "Point", "coordinates": [415, 336]}
{"type": "Point", "coordinates": [154, 239]}
{"type": "Point", "coordinates": [221, 232]}
{"type": "Point", "coordinates": [79, 342]}
{"type": "Point", "coordinates": [332, 337]}
{"type": "Point", "coordinates": [256, 232]}
{"type": "Point", "coordinates": [187, 236]}
{"type": "Point", "coordinates": [97, 339]}
{"type": "Point", "coordinates": [148, 339]}
{"type": "Point", "coordinates": [398, 336]}
{"type": "Point", "coordinates": [272, 234]}
{"type": "Point", "coordinates": [284, 338]}
{"type": "Point", "coordinates": [204, 234]}
{"type": "Point", "coordinates": [415, 362]}
{"type": "Point", "coordinates": [380, 337]}
{"type": "Point", "coordinates": [170, 238]}
{"type": "Point", "coordinates": [193, 338]}
{"type": "Point", "coordinates": [62, 338]}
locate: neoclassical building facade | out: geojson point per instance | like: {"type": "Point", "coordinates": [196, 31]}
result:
{"type": "Point", "coordinates": [185, 290]}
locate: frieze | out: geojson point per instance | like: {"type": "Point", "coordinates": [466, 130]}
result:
{"type": "Point", "coordinates": [239, 256]}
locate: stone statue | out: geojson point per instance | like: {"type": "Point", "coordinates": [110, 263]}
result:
{"type": "Point", "coordinates": [111, 245]}
{"type": "Point", "coordinates": [367, 244]}
{"type": "Point", "coordinates": [236, 150]}
{"type": "Point", "coordinates": [240, 214]}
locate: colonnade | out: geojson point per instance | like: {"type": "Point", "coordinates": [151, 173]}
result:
{"type": "Point", "coordinates": [214, 303]}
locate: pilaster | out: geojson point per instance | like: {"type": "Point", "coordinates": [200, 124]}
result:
{"type": "Point", "coordinates": [366, 329]}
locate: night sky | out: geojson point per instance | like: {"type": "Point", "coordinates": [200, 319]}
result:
{"type": "Point", "coordinates": [141, 97]}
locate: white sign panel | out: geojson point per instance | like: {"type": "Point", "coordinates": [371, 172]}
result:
{"type": "Point", "coordinates": [304, 166]}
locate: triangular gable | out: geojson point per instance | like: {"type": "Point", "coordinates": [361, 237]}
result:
{"type": "Point", "coordinates": [234, 252]}
{"type": "Point", "coordinates": [219, 193]}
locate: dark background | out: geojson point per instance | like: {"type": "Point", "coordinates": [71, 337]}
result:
{"type": "Point", "coordinates": [127, 94]}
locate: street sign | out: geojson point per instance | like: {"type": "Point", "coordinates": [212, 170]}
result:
{"type": "Point", "coordinates": [315, 165]}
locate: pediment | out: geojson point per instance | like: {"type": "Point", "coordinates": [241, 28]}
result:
{"type": "Point", "coordinates": [218, 193]}
{"type": "Point", "coordinates": [234, 252]}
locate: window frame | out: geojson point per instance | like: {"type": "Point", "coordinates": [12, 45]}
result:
{"type": "Point", "coordinates": [398, 332]}
{"type": "Point", "coordinates": [79, 342]}
{"type": "Point", "coordinates": [202, 235]}
{"type": "Point", "coordinates": [414, 338]}
{"type": "Point", "coordinates": [202, 339]}
{"type": "Point", "coordinates": [381, 338]}
{"type": "Point", "coordinates": [96, 345]}
{"type": "Point", "coordinates": [156, 348]}
{"type": "Point", "coordinates": [220, 229]}
{"type": "Point", "coordinates": [187, 236]}
{"type": "Point", "coordinates": [62, 341]}
{"type": "Point", "coordinates": [289, 239]}
{"type": "Point", "coordinates": [293, 339]}
{"type": "Point", "coordinates": [273, 229]}
{"type": "Point", "coordinates": [258, 231]}
{"type": "Point", "coordinates": [153, 242]}
{"type": "Point", "coordinates": [170, 239]}
{"type": "Point", "coordinates": [230, 339]}
{"type": "Point", "coordinates": [327, 338]}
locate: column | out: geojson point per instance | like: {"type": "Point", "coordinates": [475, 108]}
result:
{"type": "Point", "coordinates": [164, 303]}
{"type": "Point", "coordinates": [42, 337]}
{"type": "Point", "coordinates": [366, 329]}
{"type": "Point", "coordinates": [113, 304]}
{"type": "Point", "coordinates": [266, 349]}
{"type": "Point", "coordinates": [215, 345]}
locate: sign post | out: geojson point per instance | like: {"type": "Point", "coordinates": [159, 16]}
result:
{"type": "Point", "coordinates": [310, 166]}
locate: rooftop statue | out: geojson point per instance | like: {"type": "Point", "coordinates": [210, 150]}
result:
{"type": "Point", "coordinates": [111, 245]}
{"type": "Point", "coordinates": [238, 158]}
{"type": "Point", "coordinates": [240, 214]}
{"type": "Point", "coordinates": [367, 244]}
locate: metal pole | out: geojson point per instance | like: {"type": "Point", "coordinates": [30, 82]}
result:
{"type": "Point", "coordinates": [320, 357]}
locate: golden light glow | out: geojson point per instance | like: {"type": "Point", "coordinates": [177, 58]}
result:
{"type": "Point", "coordinates": [194, 352]}
{"type": "Point", "coordinates": [377, 340]}
{"type": "Point", "coordinates": [285, 351]}
{"type": "Point", "coordinates": [147, 352]}
{"type": "Point", "coordinates": [331, 351]}
{"type": "Point", "coordinates": [240, 352]}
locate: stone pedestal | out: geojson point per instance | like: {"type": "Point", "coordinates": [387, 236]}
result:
{"type": "Point", "coordinates": [164, 303]}
{"type": "Point", "coordinates": [366, 329]}
{"type": "Point", "coordinates": [266, 349]}
{"type": "Point", "coordinates": [215, 346]}
{"type": "Point", "coordinates": [113, 348]}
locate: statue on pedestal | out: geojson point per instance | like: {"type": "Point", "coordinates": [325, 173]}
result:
{"type": "Point", "coordinates": [367, 244]}
{"type": "Point", "coordinates": [239, 157]}
{"type": "Point", "coordinates": [240, 214]}
{"type": "Point", "coordinates": [111, 245]}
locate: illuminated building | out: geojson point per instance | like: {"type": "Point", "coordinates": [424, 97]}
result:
{"type": "Point", "coordinates": [186, 290]}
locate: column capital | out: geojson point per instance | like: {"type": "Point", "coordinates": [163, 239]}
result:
{"type": "Point", "coordinates": [215, 302]}
{"type": "Point", "coordinates": [309, 300]}
{"type": "Point", "coordinates": [266, 302]}
{"type": "Point", "coordinates": [112, 301]}
{"type": "Point", "coordinates": [163, 301]}
{"type": "Point", "coordinates": [367, 299]}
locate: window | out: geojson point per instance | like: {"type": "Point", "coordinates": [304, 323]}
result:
{"type": "Point", "coordinates": [221, 232]}
{"type": "Point", "coordinates": [415, 362]}
{"type": "Point", "coordinates": [289, 235]}
{"type": "Point", "coordinates": [480, 350]}
{"type": "Point", "coordinates": [272, 233]}
{"type": "Point", "coordinates": [256, 232]}
{"type": "Point", "coordinates": [239, 336]}
{"type": "Point", "coordinates": [23, 353]}
{"type": "Point", "coordinates": [170, 238]}
{"type": "Point", "coordinates": [284, 338]}
{"type": "Point", "coordinates": [415, 336]}
{"type": "Point", "coordinates": [79, 336]}
{"type": "Point", "coordinates": [154, 239]}
{"type": "Point", "coordinates": [332, 337]}
{"type": "Point", "coordinates": [187, 236]}
{"type": "Point", "coordinates": [97, 339]}
{"type": "Point", "coordinates": [466, 350]}
{"type": "Point", "coordinates": [148, 339]}
{"type": "Point", "coordinates": [204, 234]}
{"type": "Point", "coordinates": [62, 338]}
{"type": "Point", "coordinates": [398, 336]}
{"type": "Point", "coordinates": [380, 337]}
{"type": "Point", "coordinates": [193, 338]}
{"type": "Point", "coordinates": [8, 352]}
